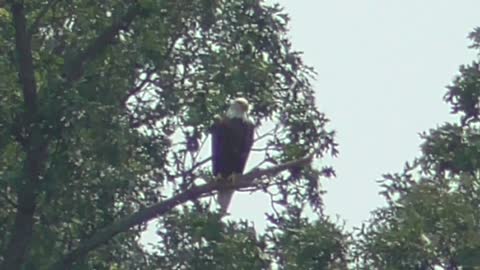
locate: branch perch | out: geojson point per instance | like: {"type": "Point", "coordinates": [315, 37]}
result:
{"type": "Point", "coordinates": [146, 214]}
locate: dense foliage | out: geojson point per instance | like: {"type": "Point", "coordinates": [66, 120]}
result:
{"type": "Point", "coordinates": [197, 239]}
{"type": "Point", "coordinates": [105, 108]}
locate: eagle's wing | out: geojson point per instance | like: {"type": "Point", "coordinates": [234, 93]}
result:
{"type": "Point", "coordinates": [247, 143]}
{"type": "Point", "coordinates": [217, 131]}
{"type": "Point", "coordinates": [225, 196]}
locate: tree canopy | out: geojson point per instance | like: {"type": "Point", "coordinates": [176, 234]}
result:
{"type": "Point", "coordinates": [104, 112]}
{"type": "Point", "coordinates": [105, 109]}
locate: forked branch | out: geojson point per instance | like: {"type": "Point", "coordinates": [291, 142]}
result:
{"type": "Point", "coordinates": [74, 67]}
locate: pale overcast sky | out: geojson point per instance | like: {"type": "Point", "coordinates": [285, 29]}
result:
{"type": "Point", "coordinates": [383, 66]}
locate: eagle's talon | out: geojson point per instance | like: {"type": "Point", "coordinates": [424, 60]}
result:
{"type": "Point", "coordinates": [233, 179]}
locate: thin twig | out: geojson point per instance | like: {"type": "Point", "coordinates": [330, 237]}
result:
{"type": "Point", "coordinates": [268, 133]}
{"type": "Point", "coordinates": [8, 200]}
{"type": "Point", "coordinates": [202, 144]}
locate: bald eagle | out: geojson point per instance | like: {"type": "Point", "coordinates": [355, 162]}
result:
{"type": "Point", "coordinates": [232, 140]}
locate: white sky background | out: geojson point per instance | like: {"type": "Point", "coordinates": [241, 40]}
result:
{"type": "Point", "coordinates": [382, 70]}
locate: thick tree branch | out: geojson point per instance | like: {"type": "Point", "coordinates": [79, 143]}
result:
{"type": "Point", "coordinates": [25, 60]}
{"type": "Point", "coordinates": [74, 67]}
{"type": "Point", "coordinates": [26, 187]}
{"type": "Point", "coordinates": [146, 214]}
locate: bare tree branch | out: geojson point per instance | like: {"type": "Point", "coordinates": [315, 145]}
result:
{"type": "Point", "coordinates": [268, 133]}
{"type": "Point", "coordinates": [159, 209]}
{"type": "Point", "coordinates": [138, 88]}
{"type": "Point", "coordinates": [194, 167]}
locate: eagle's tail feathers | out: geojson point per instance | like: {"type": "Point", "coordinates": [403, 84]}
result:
{"type": "Point", "coordinates": [224, 197]}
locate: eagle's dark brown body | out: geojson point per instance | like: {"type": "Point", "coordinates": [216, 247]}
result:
{"type": "Point", "coordinates": [232, 140]}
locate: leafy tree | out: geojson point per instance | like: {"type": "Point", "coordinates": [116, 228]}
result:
{"type": "Point", "coordinates": [105, 107]}
{"type": "Point", "coordinates": [298, 243]}
{"type": "Point", "coordinates": [198, 239]}
{"type": "Point", "coordinates": [433, 217]}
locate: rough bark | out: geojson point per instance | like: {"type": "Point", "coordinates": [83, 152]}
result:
{"type": "Point", "coordinates": [26, 186]}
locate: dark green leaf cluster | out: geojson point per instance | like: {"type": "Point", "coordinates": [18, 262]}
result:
{"type": "Point", "coordinates": [197, 239]}
{"type": "Point", "coordinates": [298, 243]}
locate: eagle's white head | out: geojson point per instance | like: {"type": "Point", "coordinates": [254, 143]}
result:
{"type": "Point", "coordinates": [238, 109]}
